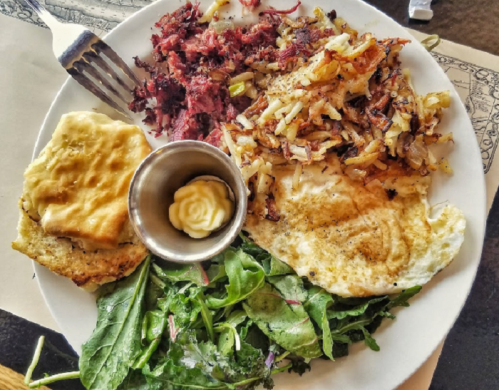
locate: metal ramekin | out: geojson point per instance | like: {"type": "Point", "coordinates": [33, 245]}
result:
{"type": "Point", "coordinates": [151, 192]}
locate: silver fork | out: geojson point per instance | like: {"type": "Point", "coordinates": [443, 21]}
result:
{"type": "Point", "coordinates": [81, 52]}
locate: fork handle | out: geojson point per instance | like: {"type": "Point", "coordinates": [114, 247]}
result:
{"type": "Point", "coordinates": [44, 15]}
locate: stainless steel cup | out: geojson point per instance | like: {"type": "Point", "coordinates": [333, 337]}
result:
{"type": "Point", "coordinates": [151, 192]}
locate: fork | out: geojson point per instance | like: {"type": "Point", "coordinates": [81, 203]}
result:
{"type": "Point", "coordinates": [82, 53]}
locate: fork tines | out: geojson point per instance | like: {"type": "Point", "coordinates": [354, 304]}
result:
{"type": "Point", "coordinates": [84, 58]}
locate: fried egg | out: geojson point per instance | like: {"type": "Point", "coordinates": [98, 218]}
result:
{"type": "Point", "coordinates": [355, 240]}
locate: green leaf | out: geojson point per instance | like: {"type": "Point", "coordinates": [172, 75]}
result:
{"type": "Point", "coordinates": [199, 365]}
{"type": "Point", "coordinates": [236, 318]}
{"type": "Point", "coordinates": [245, 277]}
{"type": "Point", "coordinates": [174, 272]}
{"type": "Point", "coordinates": [290, 287]}
{"type": "Point", "coordinates": [228, 332]}
{"type": "Point", "coordinates": [216, 272]}
{"type": "Point", "coordinates": [341, 338]}
{"type": "Point", "coordinates": [354, 312]}
{"type": "Point", "coordinates": [185, 310]}
{"type": "Point", "coordinates": [273, 266]}
{"type": "Point", "coordinates": [403, 297]}
{"type": "Point", "coordinates": [205, 314]}
{"type": "Point", "coordinates": [316, 306]}
{"type": "Point", "coordinates": [115, 343]}
{"type": "Point", "coordinates": [173, 373]}
{"type": "Point", "coordinates": [369, 340]}
{"type": "Point", "coordinates": [154, 325]}
{"type": "Point", "coordinates": [250, 247]}
{"type": "Point", "coordinates": [153, 293]}
{"type": "Point", "coordinates": [287, 325]}
{"type": "Point", "coordinates": [136, 381]}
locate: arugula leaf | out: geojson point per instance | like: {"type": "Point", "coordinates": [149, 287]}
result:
{"type": "Point", "coordinates": [287, 325]}
{"type": "Point", "coordinates": [250, 247]}
{"type": "Point", "coordinates": [403, 297]}
{"type": "Point", "coordinates": [245, 277]}
{"type": "Point", "coordinates": [174, 272]}
{"type": "Point", "coordinates": [354, 312]}
{"type": "Point", "coordinates": [369, 340]}
{"type": "Point", "coordinates": [115, 343]}
{"type": "Point", "coordinates": [206, 315]}
{"type": "Point", "coordinates": [215, 273]}
{"type": "Point", "coordinates": [229, 338]}
{"type": "Point", "coordinates": [316, 306]}
{"type": "Point", "coordinates": [273, 266]}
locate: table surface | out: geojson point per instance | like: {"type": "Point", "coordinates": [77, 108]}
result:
{"type": "Point", "coordinates": [468, 360]}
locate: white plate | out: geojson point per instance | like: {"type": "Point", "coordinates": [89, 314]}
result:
{"type": "Point", "coordinates": [406, 342]}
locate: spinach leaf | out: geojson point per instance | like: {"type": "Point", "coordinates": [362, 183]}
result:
{"type": "Point", "coordinates": [245, 277]}
{"type": "Point", "coordinates": [115, 343]}
{"type": "Point", "coordinates": [316, 306]}
{"type": "Point", "coordinates": [174, 272]}
{"type": "Point", "coordinates": [286, 324]}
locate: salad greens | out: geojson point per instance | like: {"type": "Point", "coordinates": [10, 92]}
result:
{"type": "Point", "coordinates": [116, 341]}
{"type": "Point", "coordinates": [230, 323]}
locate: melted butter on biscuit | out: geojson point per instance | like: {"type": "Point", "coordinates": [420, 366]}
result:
{"type": "Point", "coordinates": [200, 208]}
{"type": "Point", "coordinates": [78, 186]}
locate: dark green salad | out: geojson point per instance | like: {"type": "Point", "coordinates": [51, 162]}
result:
{"type": "Point", "coordinates": [229, 323]}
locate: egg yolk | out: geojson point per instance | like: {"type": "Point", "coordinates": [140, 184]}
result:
{"type": "Point", "coordinates": [201, 207]}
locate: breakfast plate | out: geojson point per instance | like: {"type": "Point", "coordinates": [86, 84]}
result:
{"type": "Point", "coordinates": [406, 342]}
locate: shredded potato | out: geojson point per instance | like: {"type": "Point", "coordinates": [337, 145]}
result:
{"type": "Point", "coordinates": [349, 96]}
{"type": "Point", "coordinates": [297, 175]}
